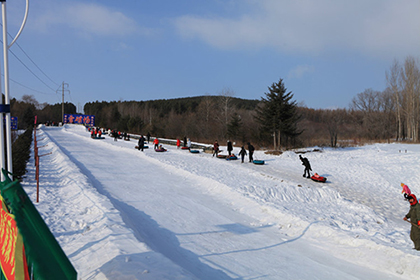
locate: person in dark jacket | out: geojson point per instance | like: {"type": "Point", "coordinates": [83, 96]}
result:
{"type": "Point", "coordinates": [141, 143]}
{"type": "Point", "coordinates": [251, 150]}
{"type": "Point", "coordinates": [414, 216]}
{"type": "Point", "coordinates": [307, 165]}
{"type": "Point", "coordinates": [148, 137]}
{"type": "Point", "coordinates": [242, 153]}
{"type": "Point", "coordinates": [215, 148]}
{"type": "Point", "coordinates": [229, 147]}
{"type": "Point", "coordinates": [185, 141]}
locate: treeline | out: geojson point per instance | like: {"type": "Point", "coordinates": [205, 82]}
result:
{"type": "Point", "coordinates": [28, 107]}
{"type": "Point", "coordinates": [224, 117]}
{"type": "Point", "coordinates": [204, 118]}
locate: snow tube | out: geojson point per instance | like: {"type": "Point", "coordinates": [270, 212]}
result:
{"type": "Point", "coordinates": [144, 147]}
{"type": "Point", "coordinates": [222, 156]}
{"type": "Point", "coordinates": [160, 150]}
{"type": "Point", "coordinates": [98, 137]}
{"type": "Point", "coordinates": [259, 162]}
{"type": "Point", "coordinates": [185, 148]}
{"type": "Point", "coordinates": [194, 151]}
{"type": "Point", "coordinates": [319, 179]}
{"type": "Point", "coordinates": [232, 157]}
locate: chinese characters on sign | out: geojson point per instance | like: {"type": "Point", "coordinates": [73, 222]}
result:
{"type": "Point", "coordinates": [80, 119]}
{"type": "Point", "coordinates": [13, 122]}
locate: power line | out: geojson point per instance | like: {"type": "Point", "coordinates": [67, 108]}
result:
{"type": "Point", "coordinates": [22, 85]}
{"type": "Point", "coordinates": [30, 70]}
{"type": "Point", "coordinates": [28, 67]}
{"type": "Point", "coordinates": [35, 64]}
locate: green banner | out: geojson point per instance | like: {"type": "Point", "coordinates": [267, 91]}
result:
{"type": "Point", "coordinates": [45, 258]}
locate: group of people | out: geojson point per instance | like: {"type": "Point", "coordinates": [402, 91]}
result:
{"type": "Point", "coordinates": [242, 152]}
{"type": "Point", "coordinates": [95, 132]}
{"type": "Point", "coordinates": [142, 141]}
{"type": "Point", "coordinates": [186, 143]}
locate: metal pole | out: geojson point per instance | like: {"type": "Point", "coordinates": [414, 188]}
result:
{"type": "Point", "coordinates": [62, 105]}
{"type": "Point", "coordinates": [2, 147]}
{"type": "Point", "coordinates": [6, 86]}
{"type": "Point", "coordinates": [6, 90]}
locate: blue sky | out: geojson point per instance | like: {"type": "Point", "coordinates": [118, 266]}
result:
{"type": "Point", "coordinates": [325, 51]}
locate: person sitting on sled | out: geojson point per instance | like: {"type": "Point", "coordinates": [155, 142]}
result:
{"type": "Point", "coordinates": [414, 216]}
{"type": "Point", "coordinates": [316, 176]}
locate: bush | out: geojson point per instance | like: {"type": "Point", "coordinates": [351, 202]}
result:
{"type": "Point", "coordinates": [21, 150]}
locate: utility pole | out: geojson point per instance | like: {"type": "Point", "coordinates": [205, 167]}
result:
{"type": "Point", "coordinates": [64, 88]}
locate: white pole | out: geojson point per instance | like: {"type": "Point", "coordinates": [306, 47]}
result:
{"type": "Point", "coordinates": [6, 89]}
{"type": "Point", "coordinates": [6, 86]}
{"type": "Point", "coordinates": [2, 147]}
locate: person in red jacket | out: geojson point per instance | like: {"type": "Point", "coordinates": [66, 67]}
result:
{"type": "Point", "coordinates": [414, 216]}
{"type": "Point", "coordinates": [156, 142]}
{"type": "Point", "coordinates": [178, 143]}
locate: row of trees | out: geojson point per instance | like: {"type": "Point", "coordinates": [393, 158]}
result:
{"type": "Point", "coordinates": [28, 107]}
{"type": "Point", "coordinates": [274, 121]}
{"type": "Point", "coordinates": [207, 118]}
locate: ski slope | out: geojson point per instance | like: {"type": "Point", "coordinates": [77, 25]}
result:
{"type": "Point", "coordinates": [120, 213]}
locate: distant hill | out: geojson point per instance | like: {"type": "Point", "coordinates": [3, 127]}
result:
{"type": "Point", "coordinates": [177, 105]}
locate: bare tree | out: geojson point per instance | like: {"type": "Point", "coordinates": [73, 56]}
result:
{"type": "Point", "coordinates": [333, 120]}
{"type": "Point", "coordinates": [410, 77]}
{"type": "Point", "coordinates": [204, 115]}
{"type": "Point", "coordinates": [225, 111]}
{"type": "Point", "coordinates": [30, 99]}
{"type": "Point", "coordinates": [393, 78]}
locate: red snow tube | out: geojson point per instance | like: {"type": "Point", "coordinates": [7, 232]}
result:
{"type": "Point", "coordinates": [318, 178]}
{"type": "Point", "coordinates": [185, 148]}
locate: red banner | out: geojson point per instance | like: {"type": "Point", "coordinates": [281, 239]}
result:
{"type": "Point", "coordinates": [12, 252]}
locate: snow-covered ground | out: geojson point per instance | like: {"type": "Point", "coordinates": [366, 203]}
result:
{"type": "Point", "coordinates": [120, 213]}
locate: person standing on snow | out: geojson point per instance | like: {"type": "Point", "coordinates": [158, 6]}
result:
{"type": "Point", "coordinates": [229, 147]}
{"type": "Point", "coordinates": [414, 216]}
{"type": "Point", "coordinates": [215, 148]}
{"type": "Point", "coordinates": [178, 143]}
{"type": "Point", "coordinates": [251, 150]}
{"type": "Point", "coordinates": [156, 142]}
{"type": "Point", "coordinates": [189, 143]}
{"type": "Point", "coordinates": [307, 165]}
{"type": "Point", "coordinates": [141, 143]}
{"type": "Point", "coordinates": [242, 153]}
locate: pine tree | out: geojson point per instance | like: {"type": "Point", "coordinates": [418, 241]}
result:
{"type": "Point", "coordinates": [234, 127]}
{"type": "Point", "coordinates": [278, 114]}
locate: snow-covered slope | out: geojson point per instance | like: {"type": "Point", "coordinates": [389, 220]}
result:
{"type": "Point", "coordinates": [120, 213]}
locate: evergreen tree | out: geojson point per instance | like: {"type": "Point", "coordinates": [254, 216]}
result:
{"type": "Point", "coordinates": [278, 114]}
{"type": "Point", "coordinates": [234, 127]}
{"type": "Point", "coordinates": [28, 116]}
